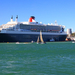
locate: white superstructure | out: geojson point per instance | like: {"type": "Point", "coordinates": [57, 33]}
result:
{"type": "Point", "coordinates": [15, 26]}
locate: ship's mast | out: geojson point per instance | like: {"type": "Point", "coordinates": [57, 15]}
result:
{"type": "Point", "coordinates": [11, 18]}
{"type": "Point", "coordinates": [17, 18]}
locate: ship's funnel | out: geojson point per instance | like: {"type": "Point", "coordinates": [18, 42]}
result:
{"type": "Point", "coordinates": [17, 18]}
{"type": "Point", "coordinates": [11, 18]}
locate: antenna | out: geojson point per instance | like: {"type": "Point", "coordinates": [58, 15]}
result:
{"type": "Point", "coordinates": [17, 16]}
{"type": "Point", "coordinates": [11, 17]}
{"type": "Point", "coordinates": [55, 22]}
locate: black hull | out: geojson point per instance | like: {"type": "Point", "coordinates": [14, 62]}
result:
{"type": "Point", "coordinates": [29, 37]}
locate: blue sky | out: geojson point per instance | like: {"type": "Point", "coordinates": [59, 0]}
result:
{"type": "Point", "coordinates": [45, 11]}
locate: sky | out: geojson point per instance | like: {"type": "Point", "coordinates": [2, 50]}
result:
{"type": "Point", "coordinates": [45, 11]}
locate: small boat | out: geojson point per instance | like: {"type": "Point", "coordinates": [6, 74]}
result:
{"type": "Point", "coordinates": [73, 41]}
{"type": "Point", "coordinates": [17, 42]}
{"type": "Point", "coordinates": [32, 41]}
{"type": "Point", "coordinates": [51, 40]}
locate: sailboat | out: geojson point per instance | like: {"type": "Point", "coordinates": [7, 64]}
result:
{"type": "Point", "coordinates": [38, 40]}
{"type": "Point", "coordinates": [41, 39]}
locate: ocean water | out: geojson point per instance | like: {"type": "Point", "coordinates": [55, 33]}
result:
{"type": "Point", "coordinates": [52, 58]}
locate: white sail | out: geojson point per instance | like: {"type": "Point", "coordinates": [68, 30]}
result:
{"type": "Point", "coordinates": [38, 40]}
{"type": "Point", "coordinates": [41, 39]}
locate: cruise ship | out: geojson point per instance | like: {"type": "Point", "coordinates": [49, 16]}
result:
{"type": "Point", "coordinates": [15, 31]}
